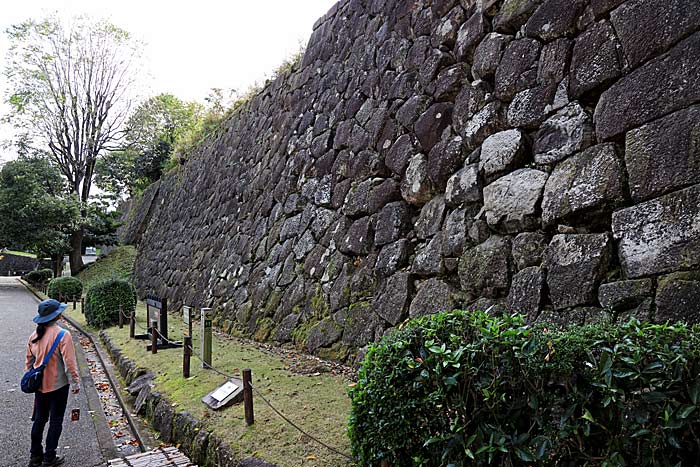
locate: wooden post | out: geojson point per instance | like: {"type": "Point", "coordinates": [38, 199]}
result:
{"type": "Point", "coordinates": [121, 317]}
{"type": "Point", "coordinates": [74, 303]}
{"type": "Point", "coordinates": [132, 325]}
{"type": "Point", "coordinates": [82, 305]}
{"type": "Point", "coordinates": [187, 347]}
{"type": "Point", "coordinates": [154, 336]}
{"type": "Point", "coordinates": [248, 397]}
{"type": "Point", "coordinates": [205, 337]}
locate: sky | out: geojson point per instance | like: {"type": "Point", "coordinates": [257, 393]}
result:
{"type": "Point", "coordinates": [191, 46]}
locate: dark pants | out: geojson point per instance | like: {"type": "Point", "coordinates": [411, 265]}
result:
{"type": "Point", "coordinates": [48, 407]}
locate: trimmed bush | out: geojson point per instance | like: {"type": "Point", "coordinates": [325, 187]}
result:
{"type": "Point", "coordinates": [65, 288]}
{"type": "Point", "coordinates": [103, 299]}
{"type": "Point", "coordinates": [461, 388]}
{"type": "Point", "coordinates": [39, 277]}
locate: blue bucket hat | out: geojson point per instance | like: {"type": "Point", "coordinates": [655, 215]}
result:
{"type": "Point", "coordinates": [49, 310]}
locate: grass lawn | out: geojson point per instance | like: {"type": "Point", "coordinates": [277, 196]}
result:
{"type": "Point", "coordinates": [21, 253]}
{"type": "Point", "coordinates": [119, 263]}
{"type": "Point", "coordinates": [318, 402]}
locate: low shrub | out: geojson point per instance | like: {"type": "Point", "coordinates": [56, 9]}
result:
{"type": "Point", "coordinates": [461, 388]}
{"type": "Point", "coordinates": [103, 299]}
{"type": "Point", "coordinates": [39, 277]}
{"type": "Point", "coordinates": [65, 288]}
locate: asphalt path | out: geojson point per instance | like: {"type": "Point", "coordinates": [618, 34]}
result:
{"type": "Point", "coordinates": [79, 439]}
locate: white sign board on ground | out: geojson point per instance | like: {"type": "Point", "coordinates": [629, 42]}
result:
{"type": "Point", "coordinates": [229, 393]}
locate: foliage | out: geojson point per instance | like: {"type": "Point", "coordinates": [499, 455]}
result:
{"type": "Point", "coordinates": [103, 299]}
{"type": "Point", "coordinates": [461, 388]}
{"type": "Point", "coordinates": [117, 264]}
{"type": "Point", "coordinates": [36, 214]}
{"type": "Point", "coordinates": [101, 225]}
{"type": "Point", "coordinates": [219, 106]}
{"type": "Point", "coordinates": [68, 88]}
{"type": "Point", "coordinates": [39, 277]}
{"type": "Point", "coordinates": [65, 288]}
{"type": "Point", "coordinates": [151, 133]}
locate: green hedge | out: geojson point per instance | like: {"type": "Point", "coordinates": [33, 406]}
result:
{"type": "Point", "coordinates": [103, 299]}
{"type": "Point", "coordinates": [463, 388]}
{"type": "Point", "coordinates": [39, 277]}
{"type": "Point", "coordinates": [65, 288]}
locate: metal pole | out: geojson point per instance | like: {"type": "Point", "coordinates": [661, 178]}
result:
{"type": "Point", "coordinates": [154, 336]}
{"type": "Point", "coordinates": [248, 397]}
{"type": "Point", "coordinates": [187, 346]}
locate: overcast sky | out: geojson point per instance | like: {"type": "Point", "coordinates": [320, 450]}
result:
{"type": "Point", "coordinates": [191, 46]}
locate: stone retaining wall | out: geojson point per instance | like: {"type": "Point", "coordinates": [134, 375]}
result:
{"type": "Point", "coordinates": [542, 156]}
{"type": "Point", "coordinates": [17, 265]}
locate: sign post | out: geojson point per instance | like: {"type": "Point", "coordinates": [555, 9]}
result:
{"type": "Point", "coordinates": [205, 337]}
{"type": "Point", "coordinates": [187, 319]}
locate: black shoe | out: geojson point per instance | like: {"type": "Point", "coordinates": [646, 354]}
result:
{"type": "Point", "coordinates": [35, 461]}
{"type": "Point", "coordinates": [58, 460]}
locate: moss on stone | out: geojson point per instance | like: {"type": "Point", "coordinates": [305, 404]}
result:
{"type": "Point", "coordinates": [264, 328]}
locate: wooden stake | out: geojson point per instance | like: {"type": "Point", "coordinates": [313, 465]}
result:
{"type": "Point", "coordinates": [154, 336]}
{"type": "Point", "coordinates": [248, 397]}
{"type": "Point", "coordinates": [121, 317]}
{"type": "Point", "coordinates": [187, 353]}
{"type": "Point", "coordinates": [132, 325]}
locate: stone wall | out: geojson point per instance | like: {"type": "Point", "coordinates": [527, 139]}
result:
{"type": "Point", "coordinates": [17, 265]}
{"type": "Point", "coordinates": [540, 156]}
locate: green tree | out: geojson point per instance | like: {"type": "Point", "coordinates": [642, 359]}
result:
{"type": "Point", "coordinates": [151, 133]}
{"type": "Point", "coordinates": [69, 92]}
{"type": "Point", "coordinates": [37, 213]}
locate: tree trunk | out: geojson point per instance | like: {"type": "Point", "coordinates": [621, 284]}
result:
{"type": "Point", "coordinates": [57, 263]}
{"type": "Point", "coordinates": [76, 253]}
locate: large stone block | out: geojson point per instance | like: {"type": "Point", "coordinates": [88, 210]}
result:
{"type": "Point", "coordinates": [431, 123]}
{"type": "Point", "coordinates": [358, 240]}
{"type": "Point", "coordinates": [553, 19]}
{"type": "Point", "coordinates": [323, 334]}
{"type": "Point", "coordinates": [430, 218]}
{"type": "Point", "coordinates": [648, 27]}
{"type": "Point", "coordinates": [433, 296]}
{"type": "Point", "coordinates": [513, 14]}
{"type": "Point", "coordinates": [470, 34]}
{"type": "Point", "coordinates": [393, 298]}
{"type": "Point", "coordinates": [595, 59]}
{"type": "Point", "coordinates": [416, 187]}
{"type": "Point", "coordinates": [428, 260]}
{"type": "Point", "coordinates": [568, 131]}
{"type": "Point", "coordinates": [590, 182]}
{"type": "Point", "coordinates": [576, 264]}
{"type": "Point", "coordinates": [659, 87]}
{"type": "Point", "coordinates": [392, 222]}
{"type": "Point", "coordinates": [485, 122]}
{"type": "Point", "coordinates": [445, 159]}
{"type": "Point", "coordinates": [392, 257]}
{"type": "Point", "coordinates": [664, 155]}
{"type": "Point", "coordinates": [661, 235]}
{"type": "Point", "coordinates": [678, 298]}
{"type": "Point", "coordinates": [464, 186]}
{"type": "Point", "coordinates": [512, 202]}
{"type": "Point", "coordinates": [502, 152]}
{"type": "Point", "coordinates": [488, 54]}
{"type": "Point", "coordinates": [486, 269]}
{"type": "Point", "coordinates": [623, 295]}
{"type": "Point", "coordinates": [526, 294]}
{"type": "Point", "coordinates": [528, 248]}
{"type": "Point", "coordinates": [554, 61]}
{"type": "Point", "coordinates": [531, 106]}
{"type": "Point", "coordinates": [517, 70]}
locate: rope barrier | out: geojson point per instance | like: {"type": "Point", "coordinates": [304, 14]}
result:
{"type": "Point", "coordinates": [340, 453]}
{"type": "Point", "coordinates": [229, 376]}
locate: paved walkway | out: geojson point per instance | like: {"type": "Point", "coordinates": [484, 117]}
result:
{"type": "Point", "coordinates": [79, 440]}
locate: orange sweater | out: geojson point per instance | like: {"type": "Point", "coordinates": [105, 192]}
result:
{"type": "Point", "coordinates": [63, 358]}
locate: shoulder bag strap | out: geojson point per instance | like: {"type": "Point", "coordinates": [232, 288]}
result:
{"type": "Point", "coordinates": [53, 347]}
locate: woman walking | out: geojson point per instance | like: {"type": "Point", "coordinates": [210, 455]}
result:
{"type": "Point", "coordinates": [51, 399]}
